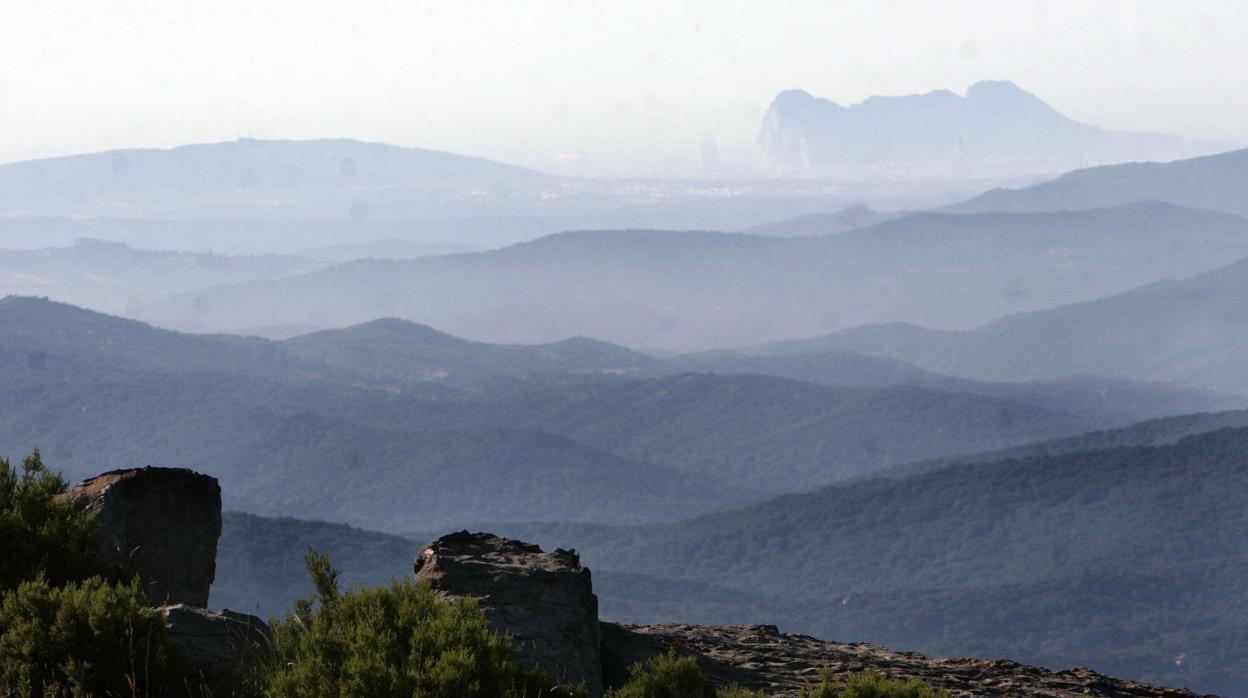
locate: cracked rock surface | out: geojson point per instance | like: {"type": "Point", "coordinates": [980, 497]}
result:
{"type": "Point", "coordinates": [759, 656]}
{"type": "Point", "coordinates": [544, 600]}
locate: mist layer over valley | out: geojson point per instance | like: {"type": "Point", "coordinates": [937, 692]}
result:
{"type": "Point", "coordinates": [953, 370]}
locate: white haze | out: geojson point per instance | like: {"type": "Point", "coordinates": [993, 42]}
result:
{"type": "Point", "coordinates": [586, 87]}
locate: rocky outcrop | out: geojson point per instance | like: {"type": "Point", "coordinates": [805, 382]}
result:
{"type": "Point", "coordinates": [224, 647]}
{"type": "Point", "coordinates": [544, 600]}
{"type": "Point", "coordinates": [760, 657]}
{"type": "Point", "coordinates": [161, 523]}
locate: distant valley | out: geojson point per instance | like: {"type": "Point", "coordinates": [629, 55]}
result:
{"type": "Point", "coordinates": [696, 291]}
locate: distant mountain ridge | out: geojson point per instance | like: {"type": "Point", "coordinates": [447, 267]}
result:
{"type": "Point", "coordinates": [1215, 182]}
{"type": "Point", "coordinates": [385, 352]}
{"type": "Point", "coordinates": [411, 406]}
{"type": "Point", "coordinates": [1192, 332]}
{"type": "Point", "coordinates": [251, 195]}
{"type": "Point", "coordinates": [396, 355]}
{"type": "Point", "coordinates": [700, 290]}
{"type": "Point", "coordinates": [118, 278]}
{"type": "Point", "coordinates": [254, 179]}
{"type": "Point", "coordinates": [995, 125]}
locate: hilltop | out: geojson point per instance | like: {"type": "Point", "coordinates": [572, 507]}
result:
{"type": "Point", "coordinates": [997, 125]}
{"type": "Point", "coordinates": [1189, 332]}
{"type": "Point", "coordinates": [1216, 182]}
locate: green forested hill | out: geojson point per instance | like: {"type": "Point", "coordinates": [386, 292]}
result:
{"type": "Point", "coordinates": [429, 456]}
{"type": "Point", "coordinates": [283, 449]}
{"type": "Point", "coordinates": [384, 352]}
{"type": "Point", "coordinates": [1101, 402]}
{"type": "Point", "coordinates": [1123, 558]}
{"type": "Point", "coordinates": [1130, 560]}
{"type": "Point", "coordinates": [1005, 522]}
{"type": "Point", "coordinates": [763, 433]}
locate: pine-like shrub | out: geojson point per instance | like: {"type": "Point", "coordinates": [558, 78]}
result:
{"type": "Point", "coordinates": [90, 638]}
{"type": "Point", "coordinates": [666, 676]}
{"type": "Point", "coordinates": [41, 535]}
{"type": "Point", "coordinates": [871, 685]}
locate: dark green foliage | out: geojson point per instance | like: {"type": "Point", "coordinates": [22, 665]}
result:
{"type": "Point", "coordinates": [93, 638]}
{"type": "Point", "coordinates": [666, 676]}
{"type": "Point", "coordinates": [41, 535]}
{"type": "Point", "coordinates": [398, 640]}
{"type": "Point", "coordinates": [870, 685]}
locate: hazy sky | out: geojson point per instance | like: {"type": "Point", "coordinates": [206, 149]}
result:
{"type": "Point", "coordinates": [620, 83]}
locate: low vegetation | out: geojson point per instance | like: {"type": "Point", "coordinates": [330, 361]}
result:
{"type": "Point", "coordinates": [91, 638]}
{"type": "Point", "coordinates": [398, 640]}
{"type": "Point", "coordinates": [678, 676]}
{"type": "Point", "coordinates": [44, 536]}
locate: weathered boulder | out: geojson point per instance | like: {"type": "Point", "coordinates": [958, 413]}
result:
{"type": "Point", "coordinates": [544, 600]}
{"type": "Point", "coordinates": [161, 523]}
{"type": "Point", "coordinates": [224, 648]}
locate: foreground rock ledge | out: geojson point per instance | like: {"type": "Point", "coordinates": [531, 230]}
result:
{"type": "Point", "coordinates": [544, 600]}
{"type": "Point", "coordinates": [759, 656]}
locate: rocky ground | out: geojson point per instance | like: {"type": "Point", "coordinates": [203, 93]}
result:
{"type": "Point", "coordinates": [759, 656]}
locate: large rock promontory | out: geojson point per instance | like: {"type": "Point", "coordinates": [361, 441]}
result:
{"type": "Point", "coordinates": [544, 600]}
{"type": "Point", "coordinates": [161, 523]}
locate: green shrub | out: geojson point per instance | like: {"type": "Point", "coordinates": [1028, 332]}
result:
{"type": "Point", "coordinates": [94, 638]}
{"type": "Point", "coordinates": [399, 640]}
{"type": "Point", "coordinates": [870, 685]}
{"type": "Point", "coordinates": [666, 676]}
{"type": "Point", "coordinates": [41, 535]}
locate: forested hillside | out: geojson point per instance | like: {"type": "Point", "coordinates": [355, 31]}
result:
{"type": "Point", "coordinates": [1127, 559]}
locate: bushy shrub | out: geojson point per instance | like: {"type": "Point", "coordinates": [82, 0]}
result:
{"type": "Point", "coordinates": [399, 640]}
{"type": "Point", "coordinates": [40, 534]}
{"type": "Point", "coordinates": [94, 638]}
{"type": "Point", "coordinates": [666, 676]}
{"type": "Point", "coordinates": [870, 685]}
